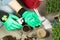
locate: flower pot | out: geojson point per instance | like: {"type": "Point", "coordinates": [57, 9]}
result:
{"type": "Point", "coordinates": [42, 33]}
{"type": "Point", "coordinates": [26, 28]}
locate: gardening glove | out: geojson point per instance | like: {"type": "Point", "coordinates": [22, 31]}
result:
{"type": "Point", "coordinates": [31, 18]}
{"type": "Point", "coordinates": [10, 21]}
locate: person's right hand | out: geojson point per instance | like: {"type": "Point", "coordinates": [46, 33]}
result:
{"type": "Point", "coordinates": [31, 18]}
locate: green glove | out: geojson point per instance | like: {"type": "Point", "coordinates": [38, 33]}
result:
{"type": "Point", "coordinates": [11, 23]}
{"type": "Point", "coordinates": [31, 18]}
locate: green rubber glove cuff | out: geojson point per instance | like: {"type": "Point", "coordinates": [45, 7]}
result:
{"type": "Point", "coordinates": [11, 20]}
{"type": "Point", "coordinates": [31, 18]}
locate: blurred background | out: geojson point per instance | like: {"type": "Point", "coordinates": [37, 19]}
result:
{"type": "Point", "coordinates": [53, 10]}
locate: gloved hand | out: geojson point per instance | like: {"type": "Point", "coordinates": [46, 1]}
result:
{"type": "Point", "coordinates": [31, 18]}
{"type": "Point", "coordinates": [10, 21]}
